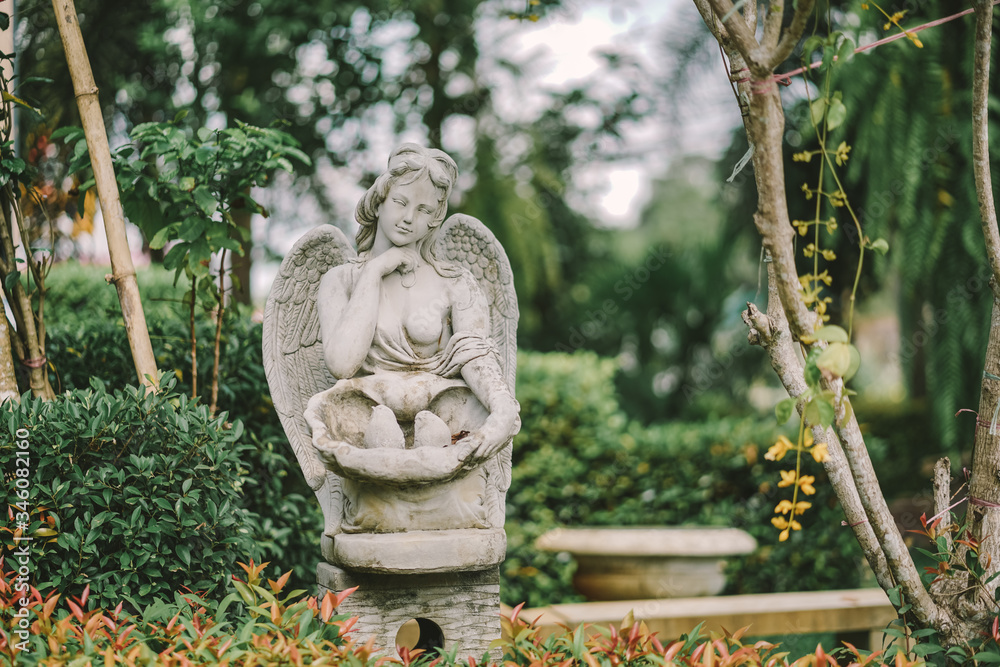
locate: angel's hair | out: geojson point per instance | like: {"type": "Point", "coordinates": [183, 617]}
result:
{"type": "Point", "coordinates": [407, 164]}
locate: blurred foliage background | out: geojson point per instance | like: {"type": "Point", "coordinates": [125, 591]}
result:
{"type": "Point", "coordinates": [642, 402]}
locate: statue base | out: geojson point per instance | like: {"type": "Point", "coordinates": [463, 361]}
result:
{"type": "Point", "coordinates": [417, 551]}
{"type": "Point", "coordinates": [452, 610]}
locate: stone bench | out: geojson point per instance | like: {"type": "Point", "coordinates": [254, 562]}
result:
{"type": "Point", "coordinates": [857, 615]}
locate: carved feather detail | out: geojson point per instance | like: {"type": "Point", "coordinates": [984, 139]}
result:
{"type": "Point", "coordinates": [293, 358]}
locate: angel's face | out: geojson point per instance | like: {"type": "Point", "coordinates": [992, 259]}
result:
{"type": "Point", "coordinates": [407, 214]}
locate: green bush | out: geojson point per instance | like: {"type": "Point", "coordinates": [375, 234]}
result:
{"type": "Point", "coordinates": [285, 522]}
{"type": "Point", "coordinates": [131, 493]}
{"type": "Point", "coordinates": [579, 462]}
{"type": "Point", "coordinates": [284, 517]}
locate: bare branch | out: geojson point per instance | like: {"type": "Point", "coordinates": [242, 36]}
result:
{"type": "Point", "coordinates": [981, 133]}
{"type": "Point", "coordinates": [771, 333]}
{"type": "Point", "coordinates": [896, 553]}
{"type": "Point", "coordinates": [711, 21]}
{"type": "Point", "coordinates": [741, 36]}
{"type": "Point", "coordinates": [793, 33]}
{"type": "Point", "coordinates": [765, 131]}
{"type": "Point", "coordinates": [984, 484]}
{"type": "Point", "coordinates": [772, 24]}
{"type": "Point", "coordinates": [849, 468]}
{"type": "Point", "coordinates": [942, 495]}
{"type": "Point", "coordinates": [750, 15]}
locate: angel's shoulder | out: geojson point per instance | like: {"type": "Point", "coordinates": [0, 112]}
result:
{"type": "Point", "coordinates": [339, 278]}
{"type": "Point", "coordinates": [463, 287]}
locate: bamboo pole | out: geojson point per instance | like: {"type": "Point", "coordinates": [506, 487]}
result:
{"type": "Point", "coordinates": [123, 271]}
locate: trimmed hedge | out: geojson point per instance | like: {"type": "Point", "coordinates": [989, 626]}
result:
{"type": "Point", "coordinates": [578, 462]}
{"type": "Point", "coordinates": [137, 493]}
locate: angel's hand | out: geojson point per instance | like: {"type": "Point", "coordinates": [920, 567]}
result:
{"type": "Point", "coordinates": [395, 258]}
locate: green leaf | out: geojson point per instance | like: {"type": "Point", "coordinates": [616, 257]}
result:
{"type": "Point", "coordinates": [831, 333]}
{"type": "Point", "coordinates": [180, 115]}
{"type": "Point", "coordinates": [205, 200]}
{"type": "Point", "coordinates": [184, 552]}
{"type": "Point", "coordinates": [4, 21]}
{"type": "Point", "coordinates": [881, 246]}
{"type": "Point", "coordinates": [11, 280]}
{"type": "Point", "coordinates": [836, 359]}
{"type": "Point", "coordinates": [7, 97]}
{"type": "Point", "coordinates": [988, 656]}
{"type": "Point", "coordinates": [846, 51]}
{"type": "Point", "coordinates": [836, 115]}
{"type": "Point", "coordinates": [820, 411]}
{"type": "Point", "coordinates": [186, 486]}
{"type": "Point", "coordinates": [813, 375]}
{"type": "Point", "coordinates": [784, 409]}
{"type": "Point", "coordinates": [817, 110]}
{"type": "Point", "coordinates": [71, 131]}
{"type": "Point", "coordinates": [811, 44]}
{"type": "Point", "coordinates": [161, 237]}
{"type": "Point", "coordinates": [855, 364]}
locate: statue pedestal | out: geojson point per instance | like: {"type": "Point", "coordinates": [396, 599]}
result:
{"type": "Point", "coordinates": [452, 609]}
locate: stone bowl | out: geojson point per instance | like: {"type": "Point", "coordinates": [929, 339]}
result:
{"type": "Point", "coordinates": [618, 563]}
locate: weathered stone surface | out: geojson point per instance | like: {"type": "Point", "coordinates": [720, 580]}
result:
{"type": "Point", "coordinates": [464, 605]}
{"type": "Point", "coordinates": [648, 562]}
{"type": "Point", "coordinates": [392, 368]}
{"type": "Point", "coordinates": [419, 551]}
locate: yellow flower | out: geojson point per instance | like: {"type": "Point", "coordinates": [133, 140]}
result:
{"type": "Point", "coordinates": [783, 535]}
{"type": "Point", "coordinates": [820, 453]}
{"type": "Point", "coordinates": [864, 5]}
{"type": "Point", "coordinates": [801, 507]}
{"type": "Point", "coordinates": [788, 478]}
{"type": "Point", "coordinates": [784, 507]}
{"type": "Point", "coordinates": [779, 522]}
{"type": "Point", "coordinates": [779, 449]}
{"type": "Point", "coordinates": [841, 154]}
{"type": "Point", "coordinates": [805, 483]}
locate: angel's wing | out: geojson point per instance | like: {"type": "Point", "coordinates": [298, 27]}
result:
{"type": "Point", "coordinates": [293, 353]}
{"type": "Point", "coordinates": [465, 241]}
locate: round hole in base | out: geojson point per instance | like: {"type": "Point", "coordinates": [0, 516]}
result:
{"type": "Point", "coordinates": [420, 633]}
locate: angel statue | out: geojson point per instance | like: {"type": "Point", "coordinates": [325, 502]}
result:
{"type": "Point", "coordinates": [392, 370]}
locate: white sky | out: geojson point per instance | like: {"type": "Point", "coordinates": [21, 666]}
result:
{"type": "Point", "coordinates": [562, 50]}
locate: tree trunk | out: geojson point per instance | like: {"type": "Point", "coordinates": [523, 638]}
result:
{"type": "Point", "coordinates": [107, 189]}
{"type": "Point", "coordinates": [8, 379]}
{"type": "Point", "coordinates": [242, 264]}
{"type": "Point", "coordinates": [20, 303]}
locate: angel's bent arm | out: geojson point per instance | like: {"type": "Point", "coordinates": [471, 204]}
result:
{"type": "Point", "coordinates": [483, 375]}
{"type": "Point", "coordinates": [347, 317]}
